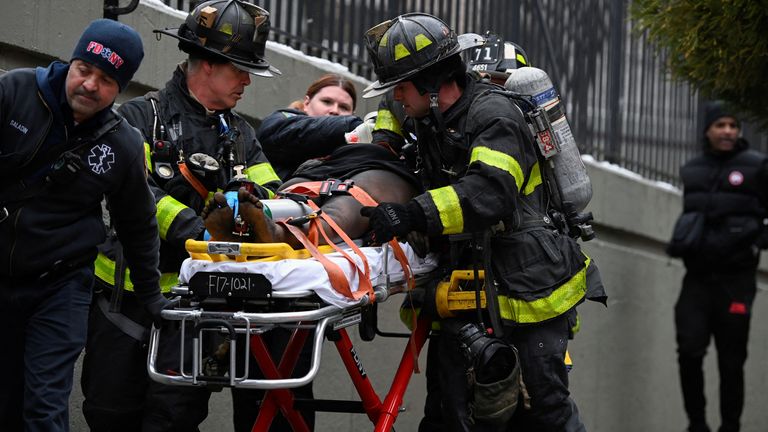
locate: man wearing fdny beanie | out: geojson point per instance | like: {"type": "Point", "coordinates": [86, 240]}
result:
{"type": "Point", "coordinates": [719, 237]}
{"type": "Point", "coordinates": [62, 149]}
{"type": "Point", "coordinates": [113, 47]}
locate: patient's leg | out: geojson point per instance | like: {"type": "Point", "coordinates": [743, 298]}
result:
{"type": "Point", "coordinates": [218, 218]}
{"type": "Point", "coordinates": [263, 228]}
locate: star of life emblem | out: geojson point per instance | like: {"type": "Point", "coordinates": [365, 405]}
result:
{"type": "Point", "coordinates": [101, 159]}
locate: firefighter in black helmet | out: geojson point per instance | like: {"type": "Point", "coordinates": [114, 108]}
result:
{"type": "Point", "coordinates": [479, 162]}
{"type": "Point", "coordinates": [188, 123]}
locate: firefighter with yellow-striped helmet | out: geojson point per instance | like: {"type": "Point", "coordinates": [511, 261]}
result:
{"type": "Point", "coordinates": [485, 206]}
{"type": "Point", "coordinates": [402, 47]}
{"type": "Point", "coordinates": [233, 30]}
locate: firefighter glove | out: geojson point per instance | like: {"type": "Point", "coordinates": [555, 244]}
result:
{"type": "Point", "coordinates": [389, 220]}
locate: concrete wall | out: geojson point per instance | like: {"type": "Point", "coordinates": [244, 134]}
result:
{"type": "Point", "coordinates": [625, 373]}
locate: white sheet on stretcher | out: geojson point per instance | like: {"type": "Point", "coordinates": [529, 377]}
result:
{"type": "Point", "coordinates": [303, 275]}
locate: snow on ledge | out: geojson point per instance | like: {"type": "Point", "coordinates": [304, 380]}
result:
{"type": "Point", "coordinates": [623, 172]}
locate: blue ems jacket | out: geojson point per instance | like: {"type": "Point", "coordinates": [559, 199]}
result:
{"type": "Point", "coordinates": [61, 222]}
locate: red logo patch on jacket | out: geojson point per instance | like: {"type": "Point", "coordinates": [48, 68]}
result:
{"type": "Point", "coordinates": [738, 308]}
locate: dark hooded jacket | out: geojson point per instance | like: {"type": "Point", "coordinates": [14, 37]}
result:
{"type": "Point", "coordinates": [55, 215]}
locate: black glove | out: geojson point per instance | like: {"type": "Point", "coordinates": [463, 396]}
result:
{"type": "Point", "coordinates": [155, 307]}
{"type": "Point", "coordinates": [389, 220]}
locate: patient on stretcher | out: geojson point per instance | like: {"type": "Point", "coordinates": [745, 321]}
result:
{"type": "Point", "coordinates": [344, 209]}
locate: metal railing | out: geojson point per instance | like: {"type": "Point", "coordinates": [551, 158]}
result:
{"type": "Point", "coordinates": [622, 105]}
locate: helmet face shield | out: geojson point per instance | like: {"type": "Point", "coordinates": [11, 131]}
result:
{"type": "Point", "coordinates": [228, 29]}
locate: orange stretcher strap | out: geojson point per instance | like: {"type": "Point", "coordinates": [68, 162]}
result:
{"type": "Point", "coordinates": [201, 190]}
{"type": "Point", "coordinates": [312, 189]}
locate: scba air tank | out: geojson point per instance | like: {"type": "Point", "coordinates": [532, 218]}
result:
{"type": "Point", "coordinates": [553, 136]}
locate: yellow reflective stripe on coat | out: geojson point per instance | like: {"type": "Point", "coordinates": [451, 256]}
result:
{"type": "Point", "coordinates": [407, 315]}
{"type": "Point", "coordinates": [561, 300]}
{"type": "Point", "coordinates": [385, 120]}
{"type": "Point", "coordinates": [534, 180]}
{"type": "Point", "coordinates": [262, 173]}
{"type": "Point", "coordinates": [167, 210]}
{"type": "Point", "coordinates": [448, 207]}
{"type": "Point", "coordinates": [148, 156]}
{"type": "Point", "coordinates": [499, 160]}
{"type": "Point", "coordinates": [104, 269]}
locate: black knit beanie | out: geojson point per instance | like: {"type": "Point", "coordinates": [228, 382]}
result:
{"type": "Point", "coordinates": [113, 47]}
{"type": "Point", "coordinates": [715, 110]}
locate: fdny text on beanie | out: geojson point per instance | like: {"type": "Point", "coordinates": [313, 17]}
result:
{"type": "Point", "coordinates": [113, 47]}
{"type": "Point", "coordinates": [715, 110]}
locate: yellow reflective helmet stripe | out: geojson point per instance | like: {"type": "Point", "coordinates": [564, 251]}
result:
{"type": "Point", "coordinates": [521, 59]}
{"type": "Point", "coordinates": [534, 180]}
{"type": "Point", "coordinates": [262, 173]}
{"type": "Point", "coordinates": [401, 51]}
{"type": "Point", "coordinates": [499, 160]}
{"type": "Point", "coordinates": [449, 208]}
{"type": "Point", "coordinates": [167, 210]}
{"type": "Point", "coordinates": [561, 300]}
{"type": "Point", "coordinates": [226, 28]}
{"type": "Point", "coordinates": [385, 120]}
{"type": "Point", "coordinates": [384, 40]}
{"type": "Point", "coordinates": [104, 269]}
{"type": "Point", "coordinates": [421, 41]}
{"type": "Point", "coordinates": [148, 156]}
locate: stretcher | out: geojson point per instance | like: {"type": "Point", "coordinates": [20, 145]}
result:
{"type": "Point", "coordinates": [230, 291]}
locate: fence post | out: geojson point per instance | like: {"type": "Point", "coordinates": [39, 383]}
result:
{"type": "Point", "coordinates": [613, 146]}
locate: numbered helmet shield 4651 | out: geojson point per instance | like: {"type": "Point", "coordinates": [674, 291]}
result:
{"type": "Point", "coordinates": [496, 56]}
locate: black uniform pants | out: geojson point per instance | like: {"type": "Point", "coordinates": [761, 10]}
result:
{"type": "Point", "coordinates": [720, 306]}
{"type": "Point", "coordinates": [541, 348]}
{"type": "Point", "coordinates": [119, 396]}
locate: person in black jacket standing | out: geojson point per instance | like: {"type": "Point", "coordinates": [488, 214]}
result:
{"type": "Point", "coordinates": [62, 149]}
{"type": "Point", "coordinates": [725, 189]}
{"type": "Point", "coordinates": [195, 145]}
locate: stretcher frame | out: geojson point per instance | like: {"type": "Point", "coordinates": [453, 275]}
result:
{"type": "Point", "coordinates": [329, 322]}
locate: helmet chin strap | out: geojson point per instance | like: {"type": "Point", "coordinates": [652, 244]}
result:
{"type": "Point", "coordinates": [434, 112]}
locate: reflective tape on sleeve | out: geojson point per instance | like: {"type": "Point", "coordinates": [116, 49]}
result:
{"type": "Point", "coordinates": [560, 301]}
{"type": "Point", "coordinates": [104, 269]}
{"type": "Point", "coordinates": [262, 173]}
{"type": "Point", "coordinates": [498, 160]}
{"type": "Point", "coordinates": [167, 210]}
{"type": "Point", "coordinates": [534, 180]}
{"type": "Point", "coordinates": [148, 156]}
{"type": "Point", "coordinates": [448, 207]}
{"type": "Point", "coordinates": [385, 120]}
